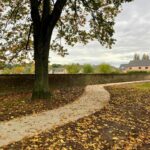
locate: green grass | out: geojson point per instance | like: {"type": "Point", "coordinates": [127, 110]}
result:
{"type": "Point", "coordinates": [142, 86]}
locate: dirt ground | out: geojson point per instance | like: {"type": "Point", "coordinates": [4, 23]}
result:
{"type": "Point", "coordinates": [15, 104]}
{"type": "Point", "coordinates": [123, 125]}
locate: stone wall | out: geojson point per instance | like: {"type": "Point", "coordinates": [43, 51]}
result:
{"type": "Point", "coordinates": [70, 79]}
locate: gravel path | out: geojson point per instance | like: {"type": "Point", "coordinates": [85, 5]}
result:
{"type": "Point", "coordinates": [93, 99]}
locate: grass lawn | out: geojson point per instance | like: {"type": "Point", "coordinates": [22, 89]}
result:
{"type": "Point", "coordinates": [144, 86]}
{"type": "Point", "coordinates": [123, 125]}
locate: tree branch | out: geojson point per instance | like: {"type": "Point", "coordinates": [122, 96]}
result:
{"type": "Point", "coordinates": [35, 15]}
{"type": "Point", "coordinates": [36, 19]}
{"type": "Point", "coordinates": [46, 9]}
{"type": "Point", "coordinates": [56, 13]}
{"type": "Point", "coordinates": [45, 16]}
{"type": "Point", "coordinates": [30, 30]}
{"type": "Point", "coordinates": [13, 13]}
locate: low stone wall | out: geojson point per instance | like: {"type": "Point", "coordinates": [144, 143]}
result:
{"type": "Point", "coordinates": [71, 79]}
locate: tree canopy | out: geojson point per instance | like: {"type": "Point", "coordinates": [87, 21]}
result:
{"type": "Point", "coordinates": [71, 21]}
{"type": "Point", "coordinates": [76, 21]}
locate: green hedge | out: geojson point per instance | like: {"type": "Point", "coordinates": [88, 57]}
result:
{"type": "Point", "coordinates": [138, 72]}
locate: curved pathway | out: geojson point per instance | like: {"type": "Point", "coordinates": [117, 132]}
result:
{"type": "Point", "coordinates": [93, 99]}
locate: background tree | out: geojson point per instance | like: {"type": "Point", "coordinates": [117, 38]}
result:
{"type": "Point", "coordinates": [73, 68]}
{"type": "Point", "coordinates": [56, 65]}
{"type": "Point", "coordinates": [2, 61]}
{"type": "Point", "coordinates": [87, 68]}
{"type": "Point", "coordinates": [73, 20]}
{"type": "Point", "coordinates": [104, 68]}
{"type": "Point", "coordinates": [136, 57]}
{"type": "Point", "coordinates": [145, 57]}
{"type": "Point", "coordinates": [27, 68]}
{"type": "Point", "coordinates": [2, 65]}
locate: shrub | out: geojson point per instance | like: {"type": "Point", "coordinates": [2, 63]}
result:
{"type": "Point", "coordinates": [138, 72]}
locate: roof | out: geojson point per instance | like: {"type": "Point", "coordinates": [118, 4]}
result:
{"type": "Point", "coordinates": [123, 66]}
{"type": "Point", "coordinates": [136, 63]}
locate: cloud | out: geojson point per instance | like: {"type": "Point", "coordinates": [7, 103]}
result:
{"type": "Point", "coordinates": [132, 34]}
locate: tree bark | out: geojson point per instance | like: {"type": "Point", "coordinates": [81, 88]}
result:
{"type": "Point", "coordinates": [41, 83]}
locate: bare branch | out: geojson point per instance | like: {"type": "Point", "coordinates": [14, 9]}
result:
{"type": "Point", "coordinates": [29, 34]}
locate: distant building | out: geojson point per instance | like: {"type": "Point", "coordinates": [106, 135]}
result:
{"type": "Point", "coordinates": [58, 70]}
{"type": "Point", "coordinates": [137, 64]}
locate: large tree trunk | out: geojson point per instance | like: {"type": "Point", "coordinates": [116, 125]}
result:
{"type": "Point", "coordinates": [43, 26]}
{"type": "Point", "coordinates": [41, 83]}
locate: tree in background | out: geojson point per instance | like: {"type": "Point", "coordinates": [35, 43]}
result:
{"type": "Point", "coordinates": [73, 68]}
{"type": "Point", "coordinates": [106, 68]}
{"type": "Point", "coordinates": [22, 32]}
{"type": "Point", "coordinates": [19, 69]}
{"type": "Point", "coordinates": [56, 65]}
{"type": "Point", "coordinates": [14, 70]}
{"type": "Point", "coordinates": [145, 57]}
{"type": "Point", "coordinates": [28, 68]}
{"type": "Point", "coordinates": [2, 61]}
{"type": "Point", "coordinates": [87, 68]}
{"type": "Point", "coordinates": [2, 65]}
{"type": "Point", "coordinates": [136, 57]}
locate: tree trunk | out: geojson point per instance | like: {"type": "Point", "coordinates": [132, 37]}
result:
{"type": "Point", "coordinates": [43, 25]}
{"type": "Point", "coordinates": [41, 83]}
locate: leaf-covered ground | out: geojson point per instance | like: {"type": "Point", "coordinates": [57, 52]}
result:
{"type": "Point", "coordinates": [123, 125]}
{"type": "Point", "coordinates": [19, 104]}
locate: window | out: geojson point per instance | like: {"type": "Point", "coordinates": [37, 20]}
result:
{"type": "Point", "coordinates": [130, 68]}
{"type": "Point", "coordinates": [146, 67]}
{"type": "Point", "coordinates": [139, 67]}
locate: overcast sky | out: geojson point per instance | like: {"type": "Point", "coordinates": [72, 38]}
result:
{"type": "Point", "coordinates": [132, 34]}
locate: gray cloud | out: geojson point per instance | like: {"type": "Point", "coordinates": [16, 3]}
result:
{"type": "Point", "coordinates": [132, 34]}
